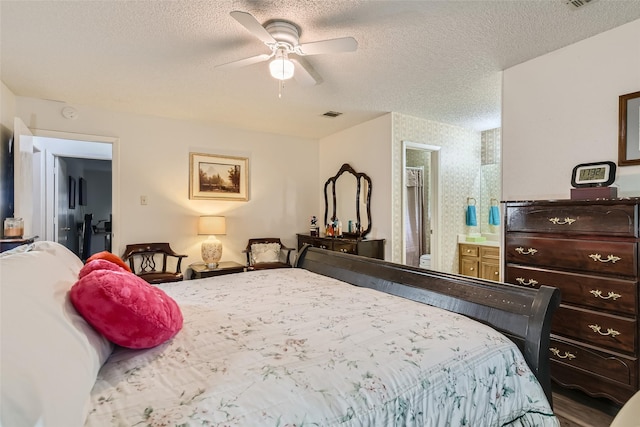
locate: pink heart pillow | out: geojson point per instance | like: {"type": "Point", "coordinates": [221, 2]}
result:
{"type": "Point", "coordinates": [109, 257]}
{"type": "Point", "coordinates": [125, 309]}
{"type": "Point", "coordinates": [98, 264]}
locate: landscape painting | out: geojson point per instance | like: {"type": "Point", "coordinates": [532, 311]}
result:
{"type": "Point", "coordinates": [218, 177]}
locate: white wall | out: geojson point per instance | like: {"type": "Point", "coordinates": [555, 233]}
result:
{"type": "Point", "coordinates": [561, 109]}
{"type": "Point", "coordinates": [154, 161]}
{"type": "Point", "coordinates": [367, 148]}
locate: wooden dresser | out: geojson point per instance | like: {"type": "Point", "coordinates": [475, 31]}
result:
{"type": "Point", "coordinates": [482, 261]}
{"type": "Point", "coordinates": [372, 248]}
{"type": "Point", "coordinates": [589, 250]}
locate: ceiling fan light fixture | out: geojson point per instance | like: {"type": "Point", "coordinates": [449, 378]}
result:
{"type": "Point", "coordinates": [281, 67]}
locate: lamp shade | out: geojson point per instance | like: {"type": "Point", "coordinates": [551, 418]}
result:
{"type": "Point", "coordinates": [212, 225]}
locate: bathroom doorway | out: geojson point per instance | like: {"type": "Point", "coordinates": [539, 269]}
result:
{"type": "Point", "coordinates": [420, 200]}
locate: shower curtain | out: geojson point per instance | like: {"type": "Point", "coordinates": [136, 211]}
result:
{"type": "Point", "coordinates": [414, 215]}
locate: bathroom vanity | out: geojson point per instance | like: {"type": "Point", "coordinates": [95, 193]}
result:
{"type": "Point", "coordinates": [481, 260]}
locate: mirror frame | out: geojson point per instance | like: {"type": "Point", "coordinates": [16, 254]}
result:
{"type": "Point", "coordinates": [623, 131]}
{"type": "Point", "coordinates": [347, 168]}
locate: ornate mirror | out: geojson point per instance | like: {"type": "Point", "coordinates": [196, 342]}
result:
{"type": "Point", "coordinates": [347, 197]}
{"type": "Point", "coordinates": [629, 129]}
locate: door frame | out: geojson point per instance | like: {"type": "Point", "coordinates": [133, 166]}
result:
{"type": "Point", "coordinates": [115, 174]}
{"type": "Point", "coordinates": [434, 201]}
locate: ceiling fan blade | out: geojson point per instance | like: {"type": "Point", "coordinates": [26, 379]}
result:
{"type": "Point", "coordinates": [304, 73]}
{"type": "Point", "coordinates": [250, 23]}
{"type": "Point", "coordinates": [244, 62]}
{"type": "Point", "coordinates": [344, 44]}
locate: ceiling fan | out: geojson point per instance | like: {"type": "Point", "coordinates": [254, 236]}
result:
{"type": "Point", "coordinates": [282, 37]}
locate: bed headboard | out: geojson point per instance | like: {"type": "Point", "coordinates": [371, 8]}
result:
{"type": "Point", "coordinates": [522, 314]}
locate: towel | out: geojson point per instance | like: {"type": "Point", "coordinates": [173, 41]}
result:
{"type": "Point", "coordinates": [494, 215]}
{"type": "Point", "coordinates": [471, 216]}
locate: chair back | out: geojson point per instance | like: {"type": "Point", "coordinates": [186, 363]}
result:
{"type": "Point", "coordinates": [87, 232]}
{"type": "Point", "coordinates": [251, 265]}
{"type": "Point", "coordinates": [142, 258]}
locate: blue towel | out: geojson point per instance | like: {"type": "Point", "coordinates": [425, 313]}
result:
{"type": "Point", "coordinates": [471, 216]}
{"type": "Point", "coordinates": [494, 215]}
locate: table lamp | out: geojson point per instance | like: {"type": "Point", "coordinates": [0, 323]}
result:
{"type": "Point", "coordinates": [212, 247]}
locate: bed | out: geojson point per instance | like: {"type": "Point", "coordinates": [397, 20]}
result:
{"type": "Point", "coordinates": [340, 340]}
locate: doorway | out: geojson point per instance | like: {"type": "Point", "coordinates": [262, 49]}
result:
{"type": "Point", "coordinates": [421, 193]}
{"type": "Point", "coordinates": [52, 147]}
{"type": "Point", "coordinates": [78, 178]}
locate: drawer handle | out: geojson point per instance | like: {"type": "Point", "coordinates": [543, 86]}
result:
{"type": "Point", "coordinates": [610, 258]}
{"type": "Point", "coordinates": [566, 355]}
{"type": "Point", "coordinates": [323, 247]}
{"type": "Point", "coordinates": [524, 251]}
{"type": "Point", "coordinates": [343, 250]}
{"type": "Point", "coordinates": [471, 268]}
{"type": "Point", "coordinates": [598, 294]}
{"type": "Point", "coordinates": [524, 282]}
{"type": "Point", "coordinates": [610, 332]}
{"type": "Point", "coordinates": [558, 221]}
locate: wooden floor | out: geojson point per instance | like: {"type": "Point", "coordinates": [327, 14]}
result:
{"type": "Point", "coordinates": [575, 409]}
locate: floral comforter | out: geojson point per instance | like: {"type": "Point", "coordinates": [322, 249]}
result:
{"type": "Point", "coordinates": [288, 347]}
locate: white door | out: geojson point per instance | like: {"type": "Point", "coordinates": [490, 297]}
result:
{"type": "Point", "coordinates": [62, 221]}
{"type": "Point", "coordinates": [23, 175]}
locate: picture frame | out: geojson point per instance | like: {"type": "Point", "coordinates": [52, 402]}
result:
{"type": "Point", "coordinates": [629, 129]}
{"type": "Point", "coordinates": [218, 177]}
{"type": "Point", "coordinates": [82, 191]}
{"type": "Point", "coordinates": [72, 192]}
{"type": "Point", "coordinates": [598, 174]}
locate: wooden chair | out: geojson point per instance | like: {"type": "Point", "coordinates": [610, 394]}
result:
{"type": "Point", "coordinates": [257, 261]}
{"type": "Point", "coordinates": [143, 256]}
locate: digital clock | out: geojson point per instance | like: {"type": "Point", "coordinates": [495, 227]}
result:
{"type": "Point", "coordinates": [600, 174]}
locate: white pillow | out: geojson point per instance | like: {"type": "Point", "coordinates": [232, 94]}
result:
{"type": "Point", "coordinates": [50, 356]}
{"type": "Point", "coordinates": [265, 252]}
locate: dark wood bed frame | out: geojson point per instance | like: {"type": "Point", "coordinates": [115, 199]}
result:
{"type": "Point", "coordinates": [522, 314]}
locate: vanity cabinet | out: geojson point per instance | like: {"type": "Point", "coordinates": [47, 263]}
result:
{"type": "Point", "coordinates": [482, 261]}
{"type": "Point", "coordinates": [372, 248]}
{"type": "Point", "coordinates": [589, 249]}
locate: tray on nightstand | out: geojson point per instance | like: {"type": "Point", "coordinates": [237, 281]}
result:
{"type": "Point", "coordinates": [200, 270]}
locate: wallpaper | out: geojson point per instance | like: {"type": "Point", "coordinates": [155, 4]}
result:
{"type": "Point", "coordinates": [460, 175]}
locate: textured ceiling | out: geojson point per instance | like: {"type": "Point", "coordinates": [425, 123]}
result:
{"type": "Point", "coordinates": [439, 60]}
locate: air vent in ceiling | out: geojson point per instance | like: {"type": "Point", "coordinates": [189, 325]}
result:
{"type": "Point", "coordinates": [577, 4]}
{"type": "Point", "coordinates": [332, 114]}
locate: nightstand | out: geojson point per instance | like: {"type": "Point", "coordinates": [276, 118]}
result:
{"type": "Point", "coordinates": [200, 270]}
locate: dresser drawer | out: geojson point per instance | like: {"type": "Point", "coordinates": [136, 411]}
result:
{"type": "Point", "coordinates": [345, 247]}
{"type": "Point", "coordinates": [609, 220]}
{"type": "Point", "coordinates": [600, 329]}
{"type": "Point", "coordinates": [599, 374]}
{"type": "Point", "coordinates": [602, 293]}
{"type": "Point", "coordinates": [316, 242]}
{"type": "Point", "coordinates": [612, 366]}
{"type": "Point", "coordinates": [605, 257]}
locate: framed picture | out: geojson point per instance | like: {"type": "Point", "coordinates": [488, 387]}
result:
{"type": "Point", "coordinates": [72, 192]}
{"type": "Point", "coordinates": [82, 191]}
{"type": "Point", "coordinates": [215, 177]}
{"type": "Point", "coordinates": [629, 129]}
